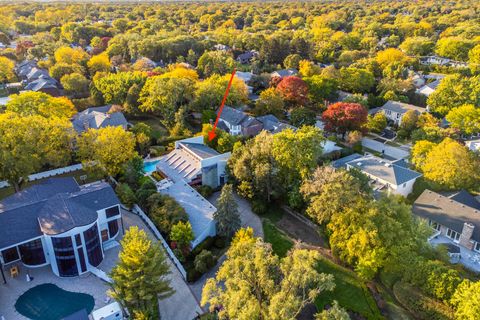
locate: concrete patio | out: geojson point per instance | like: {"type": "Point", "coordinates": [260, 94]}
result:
{"type": "Point", "coordinates": [469, 258]}
{"type": "Point", "coordinates": [182, 305]}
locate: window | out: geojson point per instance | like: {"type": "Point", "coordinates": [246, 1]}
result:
{"type": "Point", "coordinates": [65, 256]}
{"type": "Point", "coordinates": [477, 246]}
{"type": "Point", "coordinates": [78, 240]}
{"type": "Point", "coordinates": [92, 244]}
{"type": "Point", "coordinates": [455, 236]}
{"type": "Point", "coordinates": [434, 225]}
{"type": "Point", "coordinates": [104, 233]}
{"type": "Point", "coordinates": [81, 256]}
{"type": "Point", "coordinates": [111, 212]}
{"type": "Point", "coordinates": [113, 228]}
{"type": "Point", "coordinates": [10, 255]}
{"type": "Point", "coordinates": [32, 252]}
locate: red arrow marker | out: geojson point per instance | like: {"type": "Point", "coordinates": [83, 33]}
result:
{"type": "Point", "coordinates": [212, 134]}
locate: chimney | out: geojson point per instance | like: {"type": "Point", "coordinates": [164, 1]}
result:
{"type": "Point", "coordinates": [466, 236]}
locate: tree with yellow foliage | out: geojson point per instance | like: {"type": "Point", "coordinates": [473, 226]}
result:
{"type": "Point", "coordinates": [139, 278]}
{"type": "Point", "coordinates": [39, 103]}
{"type": "Point", "coordinates": [6, 70]}
{"type": "Point", "coordinates": [71, 55]}
{"type": "Point", "coordinates": [99, 63]}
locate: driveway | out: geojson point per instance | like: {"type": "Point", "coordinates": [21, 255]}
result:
{"type": "Point", "coordinates": [389, 151]}
{"type": "Point", "coordinates": [248, 219]}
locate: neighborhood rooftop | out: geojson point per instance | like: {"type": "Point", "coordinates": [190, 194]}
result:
{"type": "Point", "coordinates": [52, 207]}
{"type": "Point", "coordinates": [98, 117]}
{"type": "Point", "coordinates": [384, 169]}
{"type": "Point", "coordinates": [451, 211]}
{"type": "Point", "coordinates": [400, 107]}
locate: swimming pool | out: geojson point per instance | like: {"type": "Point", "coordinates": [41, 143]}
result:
{"type": "Point", "coordinates": [150, 166]}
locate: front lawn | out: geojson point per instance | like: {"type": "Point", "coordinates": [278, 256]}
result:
{"type": "Point", "coordinates": [280, 243]}
{"type": "Point", "coordinates": [350, 291]}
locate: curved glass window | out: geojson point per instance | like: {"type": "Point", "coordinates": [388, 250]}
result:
{"type": "Point", "coordinates": [93, 246]}
{"type": "Point", "coordinates": [65, 256]}
{"type": "Point", "coordinates": [32, 252]}
{"type": "Point", "coordinates": [113, 228]}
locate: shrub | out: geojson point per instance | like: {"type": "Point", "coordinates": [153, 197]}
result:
{"type": "Point", "coordinates": [402, 134]}
{"type": "Point", "coordinates": [204, 245]}
{"type": "Point", "coordinates": [421, 305]}
{"type": "Point", "coordinates": [220, 242]}
{"type": "Point", "coordinates": [192, 274]}
{"type": "Point", "coordinates": [205, 190]}
{"type": "Point", "coordinates": [357, 147]}
{"type": "Point", "coordinates": [157, 151]}
{"type": "Point", "coordinates": [165, 212]}
{"type": "Point", "coordinates": [204, 261]}
{"type": "Point", "coordinates": [259, 207]}
{"type": "Point", "coordinates": [126, 194]}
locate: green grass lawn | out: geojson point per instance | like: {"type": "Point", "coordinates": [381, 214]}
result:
{"type": "Point", "coordinates": [280, 243]}
{"type": "Point", "coordinates": [5, 192]}
{"type": "Point", "coordinates": [158, 130]}
{"type": "Point", "coordinates": [350, 291]}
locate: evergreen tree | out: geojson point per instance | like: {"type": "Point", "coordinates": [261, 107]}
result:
{"type": "Point", "coordinates": [139, 277]}
{"type": "Point", "coordinates": [227, 216]}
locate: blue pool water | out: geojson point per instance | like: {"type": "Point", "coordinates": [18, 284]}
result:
{"type": "Point", "coordinates": [149, 166]}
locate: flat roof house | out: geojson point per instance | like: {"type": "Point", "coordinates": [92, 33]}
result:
{"type": "Point", "coordinates": [193, 163]}
{"type": "Point", "coordinates": [60, 223]}
{"type": "Point", "coordinates": [98, 117]}
{"type": "Point", "coordinates": [395, 110]}
{"type": "Point", "coordinates": [391, 176]}
{"type": "Point", "coordinates": [455, 219]}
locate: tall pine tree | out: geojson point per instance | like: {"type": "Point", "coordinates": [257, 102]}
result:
{"type": "Point", "coordinates": [227, 216]}
{"type": "Point", "coordinates": [139, 278]}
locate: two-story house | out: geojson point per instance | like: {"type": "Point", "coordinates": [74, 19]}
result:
{"type": "Point", "coordinates": [394, 110]}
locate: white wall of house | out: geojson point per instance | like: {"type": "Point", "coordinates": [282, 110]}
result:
{"type": "Point", "coordinates": [221, 162]}
{"type": "Point", "coordinates": [394, 116]}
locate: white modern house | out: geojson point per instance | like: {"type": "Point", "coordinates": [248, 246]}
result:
{"type": "Point", "coordinates": [385, 175]}
{"type": "Point", "coordinates": [193, 163]}
{"type": "Point", "coordinates": [394, 110]}
{"type": "Point", "coordinates": [61, 224]}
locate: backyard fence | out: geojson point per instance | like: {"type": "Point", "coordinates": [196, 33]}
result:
{"type": "Point", "coordinates": [138, 211]}
{"type": "Point", "coordinates": [47, 174]}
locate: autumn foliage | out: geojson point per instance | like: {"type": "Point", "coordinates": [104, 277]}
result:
{"type": "Point", "coordinates": [293, 90]}
{"type": "Point", "coordinates": [342, 117]}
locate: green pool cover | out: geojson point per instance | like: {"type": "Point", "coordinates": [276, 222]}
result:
{"type": "Point", "coordinates": [49, 302]}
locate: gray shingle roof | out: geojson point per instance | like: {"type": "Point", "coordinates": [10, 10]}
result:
{"type": "Point", "coordinates": [52, 207]}
{"type": "Point", "coordinates": [285, 73]}
{"type": "Point", "coordinates": [400, 107]}
{"type": "Point", "coordinates": [384, 169]}
{"type": "Point", "coordinates": [98, 117]}
{"type": "Point", "coordinates": [232, 115]}
{"type": "Point", "coordinates": [42, 83]}
{"type": "Point", "coordinates": [342, 162]}
{"type": "Point", "coordinates": [447, 212]}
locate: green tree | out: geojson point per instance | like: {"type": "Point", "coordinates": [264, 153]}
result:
{"type": "Point", "coordinates": [126, 194]}
{"type": "Point", "coordinates": [454, 48]}
{"type": "Point", "coordinates": [227, 216]}
{"type": "Point", "coordinates": [133, 171]}
{"type": "Point", "coordinates": [376, 123]}
{"type": "Point", "coordinates": [39, 103]}
{"type": "Point", "coordinates": [182, 235]}
{"type": "Point", "coordinates": [253, 283]}
{"type": "Point", "coordinates": [164, 211]}
{"type": "Point", "coordinates": [60, 69]}
{"type": "Point", "coordinates": [448, 163]}
{"type": "Point", "coordinates": [334, 313]}
{"type": "Point", "coordinates": [303, 116]}
{"type": "Point", "coordinates": [115, 86]}
{"type": "Point", "coordinates": [269, 102]}
{"type": "Point", "coordinates": [321, 88]}
{"type": "Point", "coordinates": [71, 56]}
{"type": "Point", "coordinates": [409, 121]}
{"type": "Point", "coordinates": [467, 300]}
{"type": "Point", "coordinates": [209, 93]}
{"type": "Point", "coordinates": [139, 278]}
{"type": "Point", "coordinates": [218, 62]}
{"type": "Point", "coordinates": [6, 70]}
{"type": "Point", "coordinates": [417, 46]}
{"type": "Point", "coordinates": [356, 80]}
{"type": "Point", "coordinates": [330, 191]}
{"type": "Point", "coordinates": [106, 150]}
{"type": "Point", "coordinates": [75, 84]}
{"type": "Point", "coordinates": [292, 61]}
{"type": "Point", "coordinates": [99, 63]}
{"type": "Point", "coordinates": [164, 96]}
{"type": "Point", "coordinates": [474, 59]}
{"type": "Point", "coordinates": [454, 91]}
{"type": "Point", "coordinates": [465, 118]}
{"type": "Point", "coordinates": [27, 143]}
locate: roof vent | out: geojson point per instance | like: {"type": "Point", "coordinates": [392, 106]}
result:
{"type": "Point", "coordinates": [388, 165]}
{"type": "Point", "coordinates": [359, 164]}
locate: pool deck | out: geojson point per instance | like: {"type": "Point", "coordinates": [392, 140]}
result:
{"type": "Point", "coordinates": [182, 305]}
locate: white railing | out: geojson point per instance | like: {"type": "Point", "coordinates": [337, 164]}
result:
{"type": "Point", "coordinates": [47, 174]}
{"type": "Point", "coordinates": [138, 211]}
{"type": "Point", "coordinates": [434, 235]}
